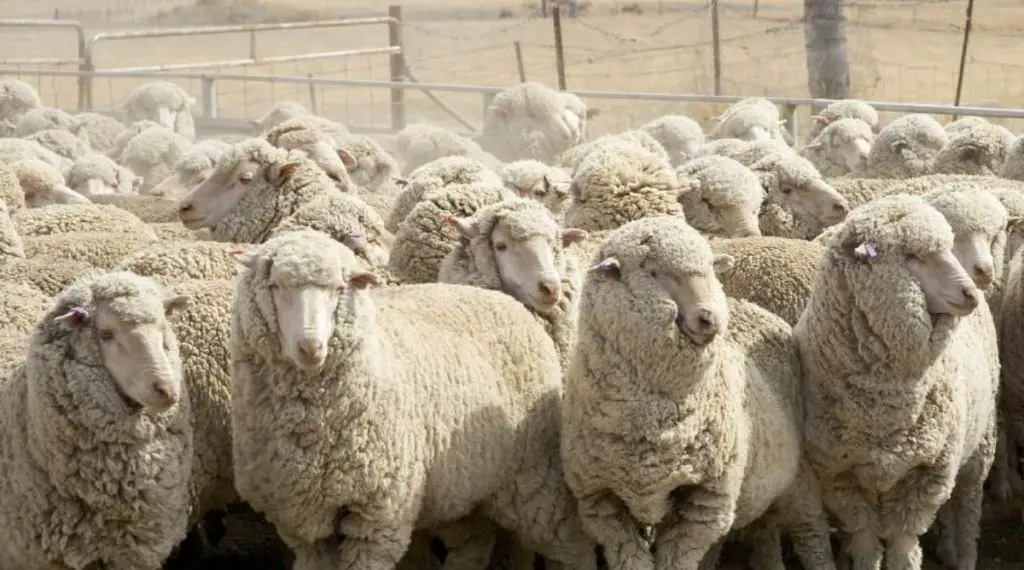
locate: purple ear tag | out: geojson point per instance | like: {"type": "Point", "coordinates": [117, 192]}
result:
{"type": "Point", "coordinates": [870, 251]}
{"type": "Point", "coordinates": [75, 316]}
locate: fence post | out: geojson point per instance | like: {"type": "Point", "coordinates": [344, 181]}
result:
{"type": "Point", "coordinates": [397, 68]}
{"type": "Point", "coordinates": [486, 99]}
{"type": "Point", "coordinates": [789, 113]}
{"type": "Point", "coordinates": [209, 87]}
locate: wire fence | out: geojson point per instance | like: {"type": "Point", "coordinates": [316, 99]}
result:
{"type": "Point", "coordinates": [898, 50]}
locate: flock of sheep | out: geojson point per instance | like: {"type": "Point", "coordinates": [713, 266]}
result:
{"type": "Point", "coordinates": [299, 349]}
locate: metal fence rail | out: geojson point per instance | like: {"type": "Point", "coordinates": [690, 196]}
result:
{"type": "Point", "coordinates": [486, 92]}
{"type": "Point", "coordinates": [79, 61]}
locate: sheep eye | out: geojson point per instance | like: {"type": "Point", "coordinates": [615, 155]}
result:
{"type": "Point", "coordinates": [538, 192]}
{"type": "Point", "coordinates": [500, 246]}
{"type": "Point", "coordinates": [245, 178]}
{"type": "Point", "coordinates": [106, 335]}
{"type": "Point", "coordinates": [654, 273]}
{"type": "Point", "coordinates": [786, 190]}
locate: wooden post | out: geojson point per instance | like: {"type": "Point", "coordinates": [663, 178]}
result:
{"type": "Point", "coordinates": [397, 68]}
{"type": "Point", "coordinates": [963, 52]}
{"type": "Point", "coordinates": [556, 18]}
{"type": "Point", "coordinates": [716, 47]}
{"type": "Point", "coordinates": [519, 62]}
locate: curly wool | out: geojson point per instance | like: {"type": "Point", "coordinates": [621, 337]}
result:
{"type": "Point", "coordinates": [151, 155]}
{"type": "Point", "coordinates": [774, 273]}
{"type": "Point", "coordinates": [94, 174]}
{"type": "Point", "coordinates": [75, 218]}
{"type": "Point", "coordinates": [826, 151]}
{"type": "Point", "coordinates": [533, 179]}
{"type": "Point", "coordinates": [424, 238]}
{"type": "Point", "coordinates": [49, 275]}
{"type": "Point", "coordinates": [85, 481]}
{"type": "Point", "coordinates": [16, 98]}
{"type": "Point", "coordinates": [843, 109]}
{"type": "Point", "coordinates": [129, 133]}
{"type": "Point", "coordinates": [474, 263]}
{"type": "Point", "coordinates": [751, 119]}
{"type": "Point", "coordinates": [795, 197]}
{"type": "Point", "coordinates": [99, 249]}
{"type": "Point", "coordinates": [980, 151]}
{"type": "Point", "coordinates": [680, 136]}
{"type": "Point", "coordinates": [11, 246]}
{"type": "Point", "coordinates": [181, 261]}
{"type": "Point", "coordinates": [43, 119]}
{"type": "Point", "coordinates": [573, 157]}
{"type": "Point", "coordinates": [720, 197]}
{"type": "Point", "coordinates": [21, 305]}
{"type": "Point", "coordinates": [647, 411]}
{"type": "Point", "coordinates": [149, 209]}
{"type": "Point", "coordinates": [11, 193]}
{"type": "Point", "coordinates": [165, 103]}
{"type": "Point", "coordinates": [926, 383]}
{"type": "Point", "coordinates": [905, 148]}
{"type": "Point", "coordinates": [860, 191]}
{"type": "Point", "coordinates": [528, 121]}
{"type": "Point", "coordinates": [422, 143]}
{"type": "Point", "coordinates": [14, 150]}
{"type": "Point", "coordinates": [62, 143]}
{"type": "Point", "coordinates": [388, 403]}
{"type": "Point", "coordinates": [434, 176]}
{"type": "Point", "coordinates": [100, 130]}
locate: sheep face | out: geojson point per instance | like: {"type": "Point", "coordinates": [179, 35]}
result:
{"type": "Point", "coordinates": [138, 348]}
{"type": "Point", "coordinates": [551, 190]}
{"type": "Point", "coordinates": [795, 184]}
{"type": "Point", "coordinates": [180, 183]}
{"type": "Point", "coordinates": [321, 149]}
{"type": "Point", "coordinates": [375, 250]}
{"type": "Point", "coordinates": [39, 197]}
{"type": "Point", "coordinates": [307, 276]}
{"type": "Point", "coordinates": [974, 252]}
{"type": "Point", "coordinates": [946, 286]}
{"type": "Point", "coordinates": [217, 196]}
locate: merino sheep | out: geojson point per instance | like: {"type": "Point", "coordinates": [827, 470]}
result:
{"type": "Point", "coordinates": [965, 124]}
{"type": "Point", "coordinates": [517, 246]}
{"type": "Point", "coordinates": [533, 179]}
{"type": "Point", "coordinates": [672, 386]}
{"type": "Point", "coordinates": [364, 357]}
{"type": "Point", "coordinates": [745, 152]}
{"type": "Point", "coordinates": [94, 174]}
{"type": "Point", "coordinates": [422, 143]}
{"type": "Point", "coordinates": [298, 135]}
{"type": "Point", "coordinates": [100, 130]}
{"type": "Point", "coordinates": [904, 148]}
{"type": "Point", "coordinates": [182, 261]}
{"type": "Point", "coordinates": [576, 109]}
{"type": "Point", "coordinates": [97, 444]}
{"type": "Point", "coordinates": [753, 119]}
{"type": "Point", "coordinates": [843, 109]}
{"type": "Point", "coordinates": [43, 185]}
{"type": "Point", "coordinates": [149, 209]}
{"type": "Point", "coordinates": [43, 119]}
{"type": "Point", "coordinates": [13, 150]}
{"type": "Point", "coordinates": [571, 158]}
{"type": "Point", "coordinates": [980, 150]}
{"type": "Point", "coordinates": [798, 202]}
{"type": "Point", "coordinates": [62, 143]}
{"type": "Point", "coordinates": [680, 136]}
{"type": "Point", "coordinates": [130, 132]}
{"type": "Point", "coordinates": [16, 98]}
{"type": "Point", "coordinates": [165, 103]}
{"type": "Point", "coordinates": [529, 121]}
{"type": "Point", "coordinates": [434, 176]}
{"type": "Point", "coordinates": [1013, 166]}
{"type": "Point", "coordinates": [840, 148]}
{"type": "Point", "coordinates": [775, 273]}
{"type": "Point", "coordinates": [152, 153]}
{"type": "Point", "coordinates": [279, 113]}
{"type": "Point", "coordinates": [424, 239]}
{"type": "Point", "coordinates": [195, 165]}
{"type": "Point", "coordinates": [900, 356]}
{"type": "Point", "coordinates": [722, 198]}
{"type": "Point", "coordinates": [373, 170]}
{"type": "Point", "coordinates": [71, 218]}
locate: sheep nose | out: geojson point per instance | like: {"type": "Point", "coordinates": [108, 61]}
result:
{"type": "Point", "coordinates": [311, 347]}
{"type": "Point", "coordinates": [185, 207]}
{"type": "Point", "coordinates": [983, 275]}
{"type": "Point", "coordinates": [549, 290]}
{"type": "Point", "coordinates": [841, 208]}
{"type": "Point", "coordinates": [707, 322]}
{"type": "Point", "coordinates": [164, 393]}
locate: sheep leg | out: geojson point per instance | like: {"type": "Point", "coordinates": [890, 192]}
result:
{"type": "Point", "coordinates": [865, 550]}
{"type": "Point", "coordinates": [606, 518]}
{"type": "Point", "coordinates": [370, 544]}
{"type": "Point", "coordinates": [910, 508]}
{"type": "Point", "coordinates": [966, 503]}
{"type": "Point", "coordinates": [903, 552]}
{"type": "Point", "coordinates": [858, 523]}
{"type": "Point", "coordinates": [766, 541]}
{"type": "Point", "coordinates": [710, 561]}
{"type": "Point", "coordinates": [700, 520]}
{"type": "Point", "coordinates": [1002, 488]}
{"type": "Point", "coordinates": [802, 515]}
{"type": "Point", "coordinates": [945, 528]}
{"type": "Point", "coordinates": [469, 541]}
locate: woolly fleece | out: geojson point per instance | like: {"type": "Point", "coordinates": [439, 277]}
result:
{"type": "Point", "coordinates": [720, 197]}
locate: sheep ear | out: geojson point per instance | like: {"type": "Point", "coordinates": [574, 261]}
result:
{"type": "Point", "coordinates": [899, 146]}
{"type": "Point", "coordinates": [1015, 224]}
{"type": "Point", "coordinates": [573, 235]}
{"type": "Point", "coordinates": [723, 263]}
{"type": "Point", "coordinates": [462, 225]}
{"type": "Point", "coordinates": [363, 280]}
{"type": "Point", "coordinates": [176, 303]}
{"type": "Point", "coordinates": [356, 241]}
{"type": "Point", "coordinates": [245, 258]}
{"type": "Point", "coordinates": [591, 112]}
{"type": "Point", "coordinates": [278, 175]}
{"type": "Point", "coordinates": [400, 182]}
{"type": "Point", "coordinates": [74, 316]}
{"type": "Point", "coordinates": [608, 269]}
{"type": "Point", "coordinates": [347, 159]}
{"type": "Point", "coordinates": [819, 121]}
{"type": "Point", "coordinates": [816, 145]}
{"type": "Point", "coordinates": [545, 183]}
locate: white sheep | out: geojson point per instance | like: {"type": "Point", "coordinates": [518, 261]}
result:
{"type": "Point", "coordinates": [42, 119]}
{"type": "Point", "coordinates": [434, 176]}
{"type": "Point", "coordinates": [720, 197]}
{"type": "Point", "coordinates": [410, 456]}
{"type": "Point", "coordinates": [843, 109]}
{"type": "Point", "coordinates": [299, 135]}
{"type": "Point", "coordinates": [752, 119]}
{"type": "Point", "coordinates": [529, 121]}
{"type": "Point", "coordinates": [374, 171]}
{"type": "Point", "coordinates": [572, 157]}
{"type": "Point", "coordinates": [151, 155]}
{"type": "Point", "coordinates": [279, 113]}
{"type": "Point", "coordinates": [13, 150]}
{"type": "Point", "coordinates": [43, 185]}
{"type": "Point", "coordinates": [100, 130]}
{"type": "Point", "coordinates": [901, 364]}
{"type": "Point", "coordinates": [533, 179]}
{"type": "Point", "coordinates": [93, 174]}
{"type": "Point", "coordinates": [904, 148]}
{"type": "Point", "coordinates": [96, 434]}
{"type": "Point", "coordinates": [840, 148]}
{"type": "Point", "coordinates": [165, 103]}
{"type": "Point", "coordinates": [62, 143]}
{"type": "Point", "coordinates": [16, 98]}
{"type": "Point", "coordinates": [126, 135]}
{"type": "Point", "coordinates": [195, 165]}
{"type": "Point", "coordinates": [980, 150]}
{"type": "Point", "coordinates": [422, 143]}
{"type": "Point", "coordinates": [682, 410]}
{"type": "Point", "coordinates": [798, 202]}
{"type": "Point", "coordinates": [680, 136]}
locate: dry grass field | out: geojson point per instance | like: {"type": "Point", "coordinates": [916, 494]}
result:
{"type": "Point", "coordinates": [899, 51]}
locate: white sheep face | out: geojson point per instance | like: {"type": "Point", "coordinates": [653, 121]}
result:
{"type": "Point", "coordinates": [213, 199]}
{"type": "Point", "coordinates": [179, 184]}
{"type": "Point", "coordinates": [946, 286]}
{"type": "Point", "coordinates": [974, 252]}
{"type": "Point", "coordinates": [855, 153]}
{"type": "Point", "coordinates": [305, 317]}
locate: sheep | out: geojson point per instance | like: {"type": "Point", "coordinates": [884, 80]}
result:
{"type": "Point", "coordinates": [43, 273]}
{"type": "Point", "coordinates": [16, 98]}
{"type": "Point", "coordinates": [859, 191]}
{"type": "Point", "coordinates": [13, 150]}
{"type": "Point", "coordinates": [164, 103]}
{"type": "Point", "coordinates": [422, 143]}
{"type": "Point", "coordinates": [904, 148]}
{"type": "Point", "coordinates": [130, 132]}
{"type": "Point", "coordinates": [577, 115]}
{"type": "Point", "coordinates": [20, 307]}
{"type": "Point", "coordinates": [680, 136]}
{"type": "Point", "coordinates": [374, 172]}
{"type": "Point", "coordinates": [43, 119]}
{"type": "Point", "coordinates": [673, 387]}
{"type": "Point", "coordinates": [279, 113]}
{"type": "Point", "coordinates": [62, 143]}
{"type": "Point", "coordinates": [980, 150]}
{"type": "Point", "coordinates": [517, 246]}
{"type": "Point", "coordinates": [745, 152]}
{"type": "Point", "coordinates": [722, 198]}
{"type": "Point", "coordinates": [43, 185]}
{"type": "Point", "coordinates": [182, 261]}
{"type": "Point", "coordinates": [195, 165]}
{"type": "Point", "coordinates": [533, 179]}
{"type": "Point", "coordinates": [1013, 166]}
{"type": "Point", "coordinates": [296, 134]}
{"type": "Point", "coordinates": [424, 239]}
{"type": "Point", "coordinates": [529, 121]}
{"type": "Point", "coordinates": [753, 119]}
{"type": "Point", "coordinates": [99, 249]}
{"type": "Point", "coordinates": [843, 109]}
{"type": "Point", "coordinates": [1011, 392]}
{"type": "Point", "coordinates": [435, 176]}
{"type": "Point", "coordinates": [964, 124]}
{"type": "Point", "coordinates": [71, 218]}
{"type": "Point", "coordinates": [498, 357]}
{"type": "Point", "coordinates": [11, 246]}
{"type": "Point", "coordinates": [798, 202]}
{"type": "Point", "coordinates": [840, 148]}
{"type": "Point", "coordinates": [901, 365]}
{"type": "Point", "coordinates": [571, 158]}
{"type": "Point", "coordinates": [97, 442]}
{"type": "Point", "coordinates": [151, 155]}
{"type": "Point", "coordinates": [100, 130]}
{"type": "Point", "coordinates": [149, 209]}
{"type": "Point", "coordinates": [11, 193]}
{"type": "Point", "coordinates": [93, 174]}
{"type": "Point", "coordinates": [775, 273]}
